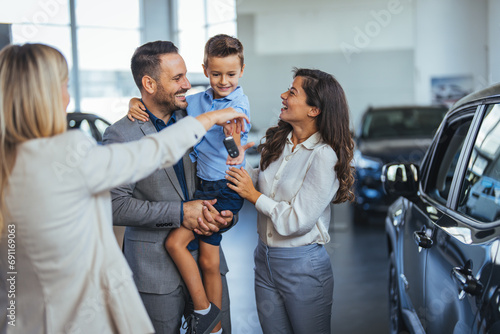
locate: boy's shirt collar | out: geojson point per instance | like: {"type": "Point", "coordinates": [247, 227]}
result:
{"type": "Point", "coordinates": [234, 94]}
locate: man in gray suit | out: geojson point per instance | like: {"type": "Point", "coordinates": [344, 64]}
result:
{"type": "Point", "coordinates": [151, 208]}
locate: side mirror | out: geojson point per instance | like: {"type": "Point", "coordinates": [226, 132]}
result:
{"type": "Point", "coordinates": [400, 179]}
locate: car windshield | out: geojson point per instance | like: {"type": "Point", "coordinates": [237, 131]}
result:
{"type": "Point", "coordinates": [402, 123]}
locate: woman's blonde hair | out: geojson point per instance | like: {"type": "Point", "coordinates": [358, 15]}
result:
{"type": "Point", "coordinates": [31, 102]}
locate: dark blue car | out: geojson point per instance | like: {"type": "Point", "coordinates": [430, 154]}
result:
{"type": "Point", "coordinates": [386, 135]}
{"type": "Point", "coordinates": [443, 231]}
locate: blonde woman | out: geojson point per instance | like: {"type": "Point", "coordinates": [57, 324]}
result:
{"type": "Point", "coordinates": [61, 268]}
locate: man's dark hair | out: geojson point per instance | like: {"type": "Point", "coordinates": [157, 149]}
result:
{"type": "Point", "coordinates": [146, 60]}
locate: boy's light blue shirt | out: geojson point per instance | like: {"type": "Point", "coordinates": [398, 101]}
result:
{"type": "Point", "coordinates": [210, 152]}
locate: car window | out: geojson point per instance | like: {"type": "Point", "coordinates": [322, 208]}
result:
{"type": "Point", "coordinates": [402, 123]}
{"type": "Point", "coordinates": [85, 127]}
{"type": "Point", "coordinates": [480, 190]}
{"type": "Point", "coordinates": [101, 126]}
{"type": "Point", "coordinates": [445, 159]}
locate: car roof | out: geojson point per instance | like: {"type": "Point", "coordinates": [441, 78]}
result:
{"type": "Point", "coordinates": [82, 114]}
{"type": "Point", "coordinates": [76, 115]}
{"type": "Point", "coordinates": [487, 92]}
{"type": "Point", "coordinates": [396, 107]}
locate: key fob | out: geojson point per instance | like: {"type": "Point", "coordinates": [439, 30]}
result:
{"type": "Point", "coordinates": [231, 147]}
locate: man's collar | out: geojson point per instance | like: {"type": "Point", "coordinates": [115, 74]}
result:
{"type": "Point", "coordinates": [153, 117]}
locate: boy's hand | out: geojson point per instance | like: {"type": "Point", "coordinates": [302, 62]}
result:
{"type": "Point", "coordinates": [137, 110]}
{"type": "Point", "coordinates": [239, 159]}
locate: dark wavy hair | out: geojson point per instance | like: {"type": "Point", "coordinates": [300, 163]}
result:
{"type": "Point", "coordinates": [325, 93]}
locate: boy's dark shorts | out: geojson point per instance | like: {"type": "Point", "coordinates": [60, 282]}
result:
{"type": "Point", "coordinates": [227, 199]}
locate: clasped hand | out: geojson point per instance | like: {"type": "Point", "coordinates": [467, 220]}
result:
{"type": "Point", "coordinates": [201, 217]}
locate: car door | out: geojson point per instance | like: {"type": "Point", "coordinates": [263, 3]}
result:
{"type": "Point", "coordinates": [437, 171]}
{"type": "Point", "coordinates": [459, 262]}
{"type": "Point", "coordinates": [488, 318]}
{"type": "Point", "coordinates": [414, 258]}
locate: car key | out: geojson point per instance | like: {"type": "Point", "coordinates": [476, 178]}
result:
{"type": "Point", "coordinates": [231, 147]}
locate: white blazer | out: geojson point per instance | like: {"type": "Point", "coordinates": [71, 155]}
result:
{"type": "Point", "coordinates": [66, 272]}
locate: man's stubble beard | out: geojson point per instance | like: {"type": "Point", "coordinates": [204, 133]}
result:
{"type": "Point", "coordinates": [167, 102]}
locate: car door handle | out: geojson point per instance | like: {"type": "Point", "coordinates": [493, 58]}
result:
{"type": "Point", "coordinates": [466, 282]}
{"type": "Point", "coordinates": [422, 239]}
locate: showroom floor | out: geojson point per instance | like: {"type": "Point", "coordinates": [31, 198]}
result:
{"type": "Point", "coordinates": [359, 260]}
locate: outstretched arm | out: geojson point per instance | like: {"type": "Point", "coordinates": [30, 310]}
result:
{"type": "Point", "coordinates": [128, 162]}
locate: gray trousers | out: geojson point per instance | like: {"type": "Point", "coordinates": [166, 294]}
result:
{"type": "Point", "coordinates": [293, 289]}
{"type": "Point", "coordinates": [166, 311]}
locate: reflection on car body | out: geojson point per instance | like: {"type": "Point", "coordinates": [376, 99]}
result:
{"type": "Point", "coordinates": [484, 201]}
{"type": "Point", "coordinates": [443, 231]}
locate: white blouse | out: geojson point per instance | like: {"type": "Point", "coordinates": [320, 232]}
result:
{"type": "Point", "coordinates": [297, 189]}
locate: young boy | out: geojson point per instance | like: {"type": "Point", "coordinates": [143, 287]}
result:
{"type": "Point", "coordinates": [223, 64]}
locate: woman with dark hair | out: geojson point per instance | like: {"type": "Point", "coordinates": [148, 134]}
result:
{"type": "Point", "coordinates": [305, 165]}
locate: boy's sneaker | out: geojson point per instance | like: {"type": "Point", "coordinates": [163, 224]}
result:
{"type": "Point", "coordinates": [202, 324]}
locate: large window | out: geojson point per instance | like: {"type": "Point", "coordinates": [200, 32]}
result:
{"type": "Point", "coordinates": [97, 38]}
{"type": "Point", "coordinates": [108, 32]}
{"type": "Point", "coordinates": [41, 22]}
{"type": "Point", "coordinates": [198, 20]}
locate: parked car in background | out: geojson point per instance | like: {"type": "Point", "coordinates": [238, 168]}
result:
{"type": "Point", "coordinates": [91, 124]}
{"type": "Point", "coordinates": [385, 135]}
{"type": "Point", "coordinates": [443, 233]}
{"type": "Point", "coordinates": [257, 136]}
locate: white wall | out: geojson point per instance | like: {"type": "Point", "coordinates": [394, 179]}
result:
{"type": "Point", "coordinates": [348, 30]}
{"type": "Point", "coordinates": [493, 41]}
{"type": "Point", "coordinates": [366, 45]}
{"type": "Point", "coordinates": [383, 52]}
{"type": "Point", "coordinates": [451, 41]}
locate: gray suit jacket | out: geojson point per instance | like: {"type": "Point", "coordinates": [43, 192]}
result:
{"type": "Point", "coordinates": [150, 208]}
